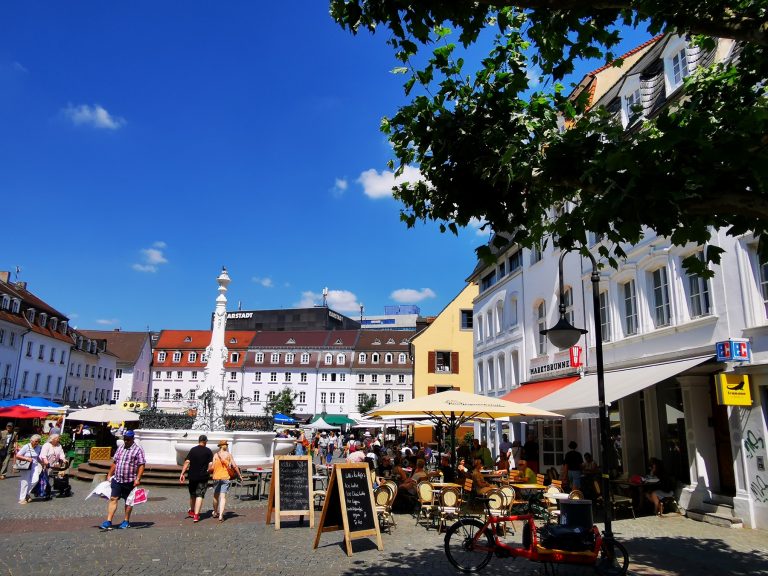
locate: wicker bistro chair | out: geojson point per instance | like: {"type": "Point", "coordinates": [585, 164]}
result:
{"type": "Point", "coordinates": [540, 479]}
{"type": "Point", "coordinates": [426, 495]}
{"type": "Point", "coordinates": [497, 505]}
{"type": "Point", "coordinates": [576, 495]}
{"type": "Point", "coordinates": [449, 506]}
{"type": "Point", "coordinates": [383, 497]}
{"type": "Point", "coordinates": [554, 511]}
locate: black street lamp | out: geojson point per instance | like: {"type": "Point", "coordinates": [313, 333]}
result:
{"type": "Point", "coordinates": [563, 335]}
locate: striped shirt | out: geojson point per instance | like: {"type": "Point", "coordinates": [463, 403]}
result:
{"type": "Point", "coordinates": [127, 462]}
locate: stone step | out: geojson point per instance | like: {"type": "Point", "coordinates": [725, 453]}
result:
{"type": "Point", "coordinates": [725, 520]}
{"type": "Point", "coordinates": [154, 474]}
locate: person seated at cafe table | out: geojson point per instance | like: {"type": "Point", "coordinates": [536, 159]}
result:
{"type": "Point", "coordinates": [502, 463]}
{"type": "Point", "coordinates": [658, 485]}
{"type": "Point", "coordinates": [461, 469]}
{"type": "Point", "coordinates": [479, 484]}
{"type": "Point", "coordinates": [449, 474]}
{"type": "Point", "coordinates": [525, 475]}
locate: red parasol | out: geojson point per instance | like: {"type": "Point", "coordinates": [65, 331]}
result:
{"type": "Point", "coordinates": [21, 412]}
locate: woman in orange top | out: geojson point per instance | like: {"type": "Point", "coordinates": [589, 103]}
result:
{"type": "Point", "coordinates": [222, 464]}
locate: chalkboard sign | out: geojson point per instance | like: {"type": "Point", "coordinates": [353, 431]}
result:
{"type": "Point", "coordinates": [356, 487]}
{"type": "Point", "coordinates": [349, 505]}
{"type": "Point", "coordinates": [290, 492]}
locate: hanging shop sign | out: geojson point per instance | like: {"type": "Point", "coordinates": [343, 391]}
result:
{"type": "Point", "coordinates": [733, 390]}
{"type": "Point", "coordinates": [734, 350]}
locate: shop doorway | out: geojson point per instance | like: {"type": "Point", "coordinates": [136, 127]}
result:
{"type": "Point", "coordinates": [722, 434]}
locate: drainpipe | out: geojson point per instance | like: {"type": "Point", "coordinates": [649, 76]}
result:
{"type": "Point", "coordinates": [18, 363]}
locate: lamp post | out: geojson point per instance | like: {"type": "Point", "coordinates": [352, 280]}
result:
{"type": "Point", "coordinates": [563, 335]}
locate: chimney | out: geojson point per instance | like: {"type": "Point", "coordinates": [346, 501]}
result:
{"type": "Point", "coordinates": [4, 276]}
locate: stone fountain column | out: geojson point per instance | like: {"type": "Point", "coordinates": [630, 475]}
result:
{"type": "Point", "coordinates": [211, 401]}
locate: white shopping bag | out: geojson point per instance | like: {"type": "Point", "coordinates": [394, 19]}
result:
{"type": "Point", "coordinates": [137, 496]}
{"type": "Point", "coordinates": [103, 490]}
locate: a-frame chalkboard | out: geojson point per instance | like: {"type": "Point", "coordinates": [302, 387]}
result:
{"type": "Point", "coordinates": [349, 505]}
{"type": "Point", "coordinates": [291, 490]}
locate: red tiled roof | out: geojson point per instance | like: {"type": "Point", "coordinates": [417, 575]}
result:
{"type": "Point", "coordinates": [199, 339]}
{"type": "Point", "coordinates": [126, 346]}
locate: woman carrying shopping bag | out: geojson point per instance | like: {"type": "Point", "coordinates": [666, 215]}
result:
{"type": "Point", "coordinates": [29, 466]}
{"type": "Point", "coordinates": [224, 470]}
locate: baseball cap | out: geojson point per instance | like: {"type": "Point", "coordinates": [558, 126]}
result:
{"type": "Point", "coordinates": [129, 434]}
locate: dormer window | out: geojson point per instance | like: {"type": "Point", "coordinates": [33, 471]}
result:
{"type": "Point", "coordinates": [289, 358]}
{"type": "Point", "coordinates": [235, 357]}
{"type": "Point", "coordinates": [54, 323]}
{"type": "Point", "coordinates": [375, 357]}
{"type": "Point", "coordinates": [305, 358]}
{"type": "Point", "coordinates": [259, 357]}
{"type": "Point", "coordinates": [274, 358]}
{"type": "Point", "coordinates": [675, 64]}
{"type": "Point", "coordinates": [43, 319]}
{"type": "Point", "coordinates": [6, 302]}
{"type": "Point", "coordinates": [177, 356]}
{"type": "Point", "coordinates": [188, 339]}
{"type": "Point", "coordinates": [362, 358]}
{"type": "Point", "coordinates": [16, 306]}
{"type": "Point", "coordinates": [391, 341]}
{"type": "Point", "coordinates": [340, 358]}
{"type": "Point", "coordinates": [31, 314]}
{"type": "Point", "coordinates": [377, 341]}
{"type": "Point", "coordinates": [193, 356]}
{"type": "Point", "coordinates": [233, 340]}
{"type": "Point", "coordinates": [161, 356]}
{"type": "Point", "coordinates": [291, 341]}
{"type": "Point", "coordinates": [388, 358]}
{"type": "Point", "coordinates": [63, 326]}
{"type": "Point", "coordinates": [630, 101]}
{"type": "Point", "coordinates": [329, 358]}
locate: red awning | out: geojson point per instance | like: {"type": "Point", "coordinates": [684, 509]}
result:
{"type": "Point", "coordinates": [535, 390]}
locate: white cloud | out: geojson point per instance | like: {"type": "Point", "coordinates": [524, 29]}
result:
{"type": "Point", "coordinates": [476, 224]}
{"type": "Point", "coordinates": [339, 187]}
{"type": "Point", "coordinates": [94, 116]}
{"type": "Point", "coordinates": [151, 258]}
{"type": "Point", "coordinates": [159, 244]}
{"type": "Point", "coordinates": [266, 282]}
{"type": "Point", "coordinates": [411, 296]}
{"type": "Point", "coordinates": [19, 67]}
{"type": "Point", "coordinates": [107, 321]}
{"type": "Point", "coordinates": [379, 185]}
{"type": "Point", "coordinates": [341, 300]}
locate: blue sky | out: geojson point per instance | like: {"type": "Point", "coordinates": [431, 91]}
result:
{"type": "Point", "coordinates": [143, 145]}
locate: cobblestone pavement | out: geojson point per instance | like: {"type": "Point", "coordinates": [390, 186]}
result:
{"type": "Point", "coordinates": [61, 538]}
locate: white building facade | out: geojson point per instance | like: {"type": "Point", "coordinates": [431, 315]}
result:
{"type": "Point", "coordinates": [659, 325]}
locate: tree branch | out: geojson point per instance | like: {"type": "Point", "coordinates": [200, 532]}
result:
{"type": "Point", "coordinates": [734, 26]}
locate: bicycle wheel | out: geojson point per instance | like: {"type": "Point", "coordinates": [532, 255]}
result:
{"type": "Point", "coordinates": [463, 551]}
{"type": "Point", "coordinates": [613, 559]}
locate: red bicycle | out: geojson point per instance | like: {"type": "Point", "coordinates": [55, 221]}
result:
{"type": "Point", "coordinates": [470, 544]}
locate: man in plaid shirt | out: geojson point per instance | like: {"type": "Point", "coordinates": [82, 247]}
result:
{"type": "Point", "coordinates": [125, 474]}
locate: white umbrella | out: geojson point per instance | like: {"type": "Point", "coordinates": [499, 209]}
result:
{"type": "Point", "coordinates": [104, 413]}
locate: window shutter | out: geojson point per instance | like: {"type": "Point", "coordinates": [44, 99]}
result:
{"type": "Point", "coordinates": [431, 389]}
{"type": "Point", "coordinates": [431, 361]}
{"type": "Point", "coordinates": [454, 362]}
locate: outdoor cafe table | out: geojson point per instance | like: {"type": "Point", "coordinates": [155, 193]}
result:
{"type": "Point", "coordinates": [528, 487]}
{"type": "Point", "coordinates": [259, 475]}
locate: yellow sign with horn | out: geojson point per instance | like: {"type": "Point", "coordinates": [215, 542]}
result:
{"type": "Point", "coordinates": [733, 390]}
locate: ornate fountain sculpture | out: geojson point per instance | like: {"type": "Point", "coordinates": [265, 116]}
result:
{"type": "Point", "coordinates": [211, 402]}
{"type": "Point", "coordinates": [165, 444]}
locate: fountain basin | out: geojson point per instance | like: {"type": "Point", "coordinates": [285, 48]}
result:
{"type": "Point", "coordinates": [170, 447]}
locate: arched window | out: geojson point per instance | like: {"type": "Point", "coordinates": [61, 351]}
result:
{"type": "Point", "coordinates": [362, 358]}
{"type": "Point", "coordinates": [401, 358]}
{"type": "Point", "coordinates": [329, 358]}
{"type": "Point", "coordinates": [388, 358]}
{"type": "Point", "coordinates": [375, 357]}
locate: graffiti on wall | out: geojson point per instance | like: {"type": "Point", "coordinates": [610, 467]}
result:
{"type": "Point", "coordinates": [753, 444]}
{"type": "Point", "coordinates": [754, 448]}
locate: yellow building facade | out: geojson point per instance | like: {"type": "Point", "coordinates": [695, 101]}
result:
{"type": "Point", "coordinates": [443, 353]}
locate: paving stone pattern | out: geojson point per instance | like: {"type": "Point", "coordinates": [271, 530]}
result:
{"type": "Point", "coordinates": [61, 537]}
